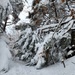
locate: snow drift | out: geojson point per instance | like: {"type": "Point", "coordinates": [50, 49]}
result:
{"type": "Point", "coordinates": [5, 54]}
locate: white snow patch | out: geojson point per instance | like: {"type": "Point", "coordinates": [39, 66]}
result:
{"type": "Point", "coordinates": [25, 13]}
{"type": "Point", "coordinates": [4, 54]}
{"type": "Point", "coordinates": [12, 33]}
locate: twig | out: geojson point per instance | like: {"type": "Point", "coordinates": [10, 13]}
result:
{"type": "Point", "coordinates": [68, 5]}
{"type": "Point", "coordinates": [63, 64]}
{"type": "Point", "coordinates": [6, 18]}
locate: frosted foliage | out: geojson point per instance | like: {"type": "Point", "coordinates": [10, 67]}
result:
{"type": "Point", "coordinates": [36, 43]}
{"type": "Point", "coordinates": [42, 44]}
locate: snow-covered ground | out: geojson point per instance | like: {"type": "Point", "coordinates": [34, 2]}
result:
{"type": "Point", "coordinates": [19, 68]}
{"type": "Point", "coordinates": [4, 53]}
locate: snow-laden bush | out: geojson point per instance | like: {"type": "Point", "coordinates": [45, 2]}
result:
{"type": "Point", "coordinates": [44, 45]}
{"type": "Point", "coordinates": [41, 44]}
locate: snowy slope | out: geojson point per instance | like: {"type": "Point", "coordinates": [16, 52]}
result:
{"type": "Point", "coordinates": [19, 68]}
{"type": "Point", "coordinates": [4, 53]}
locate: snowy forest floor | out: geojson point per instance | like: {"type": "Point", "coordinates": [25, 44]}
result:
{"type": "Point", "coordinates": [19, 68]}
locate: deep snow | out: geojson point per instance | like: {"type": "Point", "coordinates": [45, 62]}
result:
{"type": "Point", "coordinates": [19, 68]}
{"type": "Point", "coordinates": [4, 53]}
